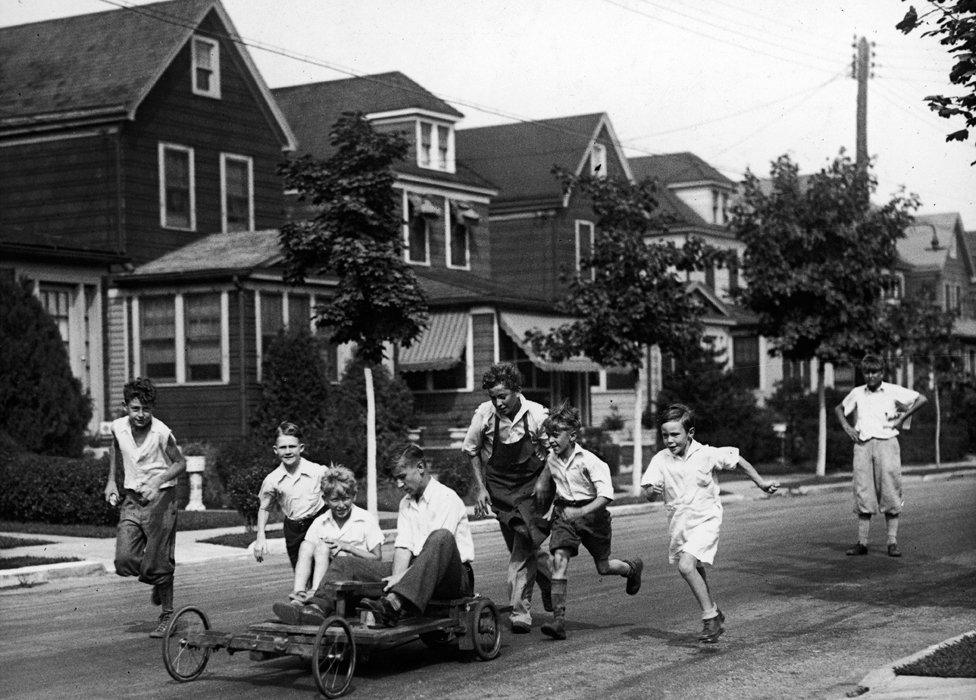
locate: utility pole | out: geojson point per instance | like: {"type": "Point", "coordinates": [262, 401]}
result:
{"type": "Point", "coordinates": [861, 69]}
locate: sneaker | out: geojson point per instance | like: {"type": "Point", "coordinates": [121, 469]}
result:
{"type": "Point", "coordinates": [857, 550]}
{"type": "Point", "coordinates": [383, 611]}
{"type": "Point", "coordinates": [711, 629]}
{"type": "Point", "coordinates": [155, 598]}
{"type": "Point", "coordinates": [893, 550]}
{"type": "Point", "coordinates": [634, 577]}
{"type": "Point", "coordinates": [289, 612]}
{"type": "Point", "coordinates": [521, 627]}
{"type": "Point", "coordinates": [161, 626]}
{"type": "Point", "coordinates": [555, 629]}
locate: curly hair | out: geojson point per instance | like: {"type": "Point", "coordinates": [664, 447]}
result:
{"type": "Point", "coordinates": [504, 373]}
{"type": "Point", "coordinates": [339, 478]}
{"type": "Point", "coordinates": [680, 413]}
{"type": "Point", "coordinates": [563, 417]}
{"type": "Point", "coordinates": [141, 388]}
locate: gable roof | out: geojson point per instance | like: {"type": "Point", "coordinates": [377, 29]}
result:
{"type": "Point", "coordinates": [103, 64]}
{"type": "Point", "coordinates": [519, 157]}
{"type": "Point", "coordinates": [677, 169]}
{"type": "Point", "coordinates": [313, 108]}
{"type": "Point", "coordinates": [916, 247]}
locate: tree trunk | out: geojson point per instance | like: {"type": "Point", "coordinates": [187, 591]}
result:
{"type": "Point", "coordinates": [370, 443]}
{"type": "Point", "coordinates": [938, 414]}
{"type": "Point", "coordinates": [821, 421]}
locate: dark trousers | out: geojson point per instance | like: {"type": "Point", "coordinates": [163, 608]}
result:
{"type": "Point", "coordinates": [294, 531]}
{"type": "Point", "coordinates": [145, 544]}
{"type": "Point", "coordinates": [437, 572]}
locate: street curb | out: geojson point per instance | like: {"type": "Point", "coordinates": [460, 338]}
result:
{"type": "Point", "coordinates": [42, 573]}
{"type": "Point", "coordinates": [880, 679]}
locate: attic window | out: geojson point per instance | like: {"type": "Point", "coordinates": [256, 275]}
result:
{"type": "Point", "coordinates": [598, 160]}
{"type": "Point", "coordinates": [435, 146]}
{"type": "Point", "coordinates": [206, 67]}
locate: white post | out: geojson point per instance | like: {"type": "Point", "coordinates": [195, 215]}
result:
{"type": "Point", "coordinates": [195, 464]}
{"type": "Point", "coordinates": [370, 443]}
{"type": "Point", "coordinates": [635, 475]}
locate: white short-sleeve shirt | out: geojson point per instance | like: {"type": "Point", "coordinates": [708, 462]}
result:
{"type": "Point", "coordinates": [439, 508]}
{"type": "Point", "coordinates": [581, 477]}
{"type": "Point", "coordinates": [361, 530]}
{"type": "Point", "coordinates": [298, 494]}
{"type": "Point", "coordinates": [876, 410]}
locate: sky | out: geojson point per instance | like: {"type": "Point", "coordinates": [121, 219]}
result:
{"type": "Point", "coordinates": [737, 82]}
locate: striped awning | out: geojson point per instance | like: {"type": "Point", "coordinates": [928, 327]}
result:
{"type": "Point", "coordinates": [517, 324]}
{"type": "Point", "coordinates": [440, 346]}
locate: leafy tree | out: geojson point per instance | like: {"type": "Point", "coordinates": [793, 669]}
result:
{"type": "Point", "coordinates": [816, 264]}
{"type": "Point", "coordinates": [954, 22]}
{"type": "Point", "coordinates": [923, 331]}
{"type": "Point", "coordinates": [631, 292]}
{"type": "Point", "coordinates": [356, 235]}
{"type": "Point", "coordinates": [294, 386]}
{"type": "Point", "coordinates": [44, 408]}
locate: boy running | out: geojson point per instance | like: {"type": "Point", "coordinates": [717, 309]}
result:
{"type": "Point", "coordinates": [580, 516]}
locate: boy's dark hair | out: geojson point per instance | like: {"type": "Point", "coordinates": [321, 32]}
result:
{"type": "Point", "coordinates": [680, 413]}
{"type": "Point", "coordinates": [290, 429]}
{"type": "Point", "coordinates": [141, 388]}
{"type": "Point", "coordinates": [872, 363]}
{"type": "Point", "coordinates": [563, 417]}
{"type": "Point", "coordinates": [411, 455]}
{"type": "Point", "coordinates": [339, 478]}
{"type": "Point", "coordinates": [504, 373]}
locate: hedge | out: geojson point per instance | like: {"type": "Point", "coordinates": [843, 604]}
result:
{"type": "Point", "coordinates": [59, 490]}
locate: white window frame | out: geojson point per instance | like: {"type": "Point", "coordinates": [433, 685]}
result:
{"type": "Point", "coordinates": [469, 368]}
{"type": "Point", "coordinates": [405, 206]}
{"type": "Point", "coordinates": [214, 90]}
{"type": "Point", "coordinates": [448, 232]}
{"type": "Point", "coordinates": [247, 160]}
{"type": "Point", "coordinates": [579, 224]}
{"type": "Point", "coordinates": [161, 157]}
{"type": "Point", "coordinates": [432, 154]}
{"type": "Point", "coordinates": [180, 339]}
{"type": "Point", "coordinates": [598, 157]}
{"type": "Point", "coordinates": [259, 331]}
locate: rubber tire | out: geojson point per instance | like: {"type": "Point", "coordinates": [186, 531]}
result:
{"type": "Point", "coordinates": [488, 648]}
{"type": "Point", "coordinates": [318, 650]}
{"type": "Point", "coordinates": [171, 659]}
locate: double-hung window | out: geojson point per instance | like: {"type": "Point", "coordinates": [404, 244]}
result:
{"type": "Point", "coordinates": [182, 338]}
{"type": "Point", "coordinates": [598, 160]}
{"type": "Point", "coordinates": [585, 240]}
{"type": "Point", "coordinates": [237, 192]}
{"type": "Point", "coordinates": [435, 146]}
{"type": "Point", "coordinates": [177, 199]}
{"type": "Point", "coordinates": [206, 67]}
{"type": "Point", "coordinates": [459, 238]}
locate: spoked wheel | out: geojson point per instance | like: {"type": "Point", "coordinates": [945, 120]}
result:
{"type": "Point", "coordinates": [185, 659]}
{"type": "Point", "coordinates": [485, 630]}
{"type": "Point", "coordinates": [334, 657]}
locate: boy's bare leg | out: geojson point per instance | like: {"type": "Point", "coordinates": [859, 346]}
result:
{"type": "Point", "coordinates": [688, 568]}
{"type": "Point", "coordinates": [560, 565]}
{"type": "Point", "coordinates": [700, 568]}
{"type": "Point", "coordinates": [303, 567]}
{"type": "Point", "coordinates": [617, 567]}
{"type": "Point", "coordinates": [322, 558]}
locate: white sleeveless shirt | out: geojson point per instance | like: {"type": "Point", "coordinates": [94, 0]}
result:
{"type": "Point", "coordinates": [141, 462]}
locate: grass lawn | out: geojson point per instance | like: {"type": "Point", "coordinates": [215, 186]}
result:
{"type": "Point", "coordinates": [17, 562]}
{"type": "Point", "coordinates": [11, 542]}
{"type": "Point", "coordinates": [957, 660]}
{"type": "Point", "coordinates": [187, 520]}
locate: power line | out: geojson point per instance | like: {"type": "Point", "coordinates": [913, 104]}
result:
{"type": "Point", "coordinates": [716, 38]}
{"type": "Point", "coordinates": [783, 26]}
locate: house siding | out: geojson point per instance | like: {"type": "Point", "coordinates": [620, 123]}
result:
{"type": "Point", "coordinates": [236, 123]}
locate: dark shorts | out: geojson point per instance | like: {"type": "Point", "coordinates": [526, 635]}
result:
{"type": "Point", "coordinates": [592, 531]}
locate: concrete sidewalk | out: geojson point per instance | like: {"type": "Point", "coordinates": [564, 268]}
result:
{"type": "Point", "coordinates": [884, 683]}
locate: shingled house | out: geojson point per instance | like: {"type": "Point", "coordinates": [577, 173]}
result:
{"type": "Point", "coordinates": [115, 152]}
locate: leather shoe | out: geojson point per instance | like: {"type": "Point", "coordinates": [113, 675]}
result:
{"type": "Point", "coordinates": [521, 627]}
{"type": "Point", "coordinates": [383, 611]}
{"type": "Point", "coordinates": [893, 550]}
{"type": "Point", "coordinates": [711, 629]}
{"type": "Point", "coordinates": [634, 577]}
{"type": "Point", "coordinates": [857, 550]}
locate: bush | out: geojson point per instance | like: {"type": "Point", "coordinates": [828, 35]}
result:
{"type": "Point", "coordinates": [344, 433]}
{"type": "Point", "coordinates": [455, 473]}
{"type": "Point", "coordinates": [242, 467]}
{"type": "Point", "coordinates": [59, 490]}
{"type": "Point", "coordinates": [44, 408]}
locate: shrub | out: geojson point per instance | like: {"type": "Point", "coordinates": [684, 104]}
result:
{"type": "Point", "coordinates": [344, 433]}
{"type": "Point", "coordinates": [48, 489]}
{"type": "Point", "coordinates": [455, 473]}
{"type": "Point", "coordinates": [242, 467]}
{"type": "Point", "coordinates": [44, 408]}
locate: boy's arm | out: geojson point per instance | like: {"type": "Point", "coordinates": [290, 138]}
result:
{"type": "Point", "coordinates": [472, 447]}
{"type": "Point", "coordinates": [842, 419]}
{"type": "Point", "coordinates": [765, 485]}
{"type": "Point", "coordinates": [544, 490]}
{"type": "Point", "coordinates": [374, 553]}
{"type": "Point", "coordinates": [401, 562]}
{"type": "Point", "coordinates": [916, 404]}
{"type": "Point", "coordinates": [111, 488]}
{"type": "Point", "coordinates": [572, 512]}
{"type": "Point", "coordinates": [150, 490]}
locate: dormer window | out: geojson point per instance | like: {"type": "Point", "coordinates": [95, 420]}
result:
{"type": "Point", "coordinates": [435, 146]}
{"type": "Point", "coordinates": [598, 160]}
{"type": "Point", "coordinates": [206, 67]}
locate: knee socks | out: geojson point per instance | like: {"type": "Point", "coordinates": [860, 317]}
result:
{"type": "Point", "coordinates": [863, 527]}
{"type": "Point", "coordinates": [891, 521]}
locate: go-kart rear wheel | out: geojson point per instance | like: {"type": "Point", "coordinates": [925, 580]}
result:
{"type": "Point", "coordinates": [485, 630]}
{"type": "Point", "coordinates": [183, 656]}
{"type": "Point", "coordinates": [334, 657]}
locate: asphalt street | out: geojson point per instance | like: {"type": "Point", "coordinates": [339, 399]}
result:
{"type": "Point", "coordinates": [803, 620]}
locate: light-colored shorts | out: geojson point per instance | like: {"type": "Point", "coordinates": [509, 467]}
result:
{"type": "Point", "coordinates": [877, 477]}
